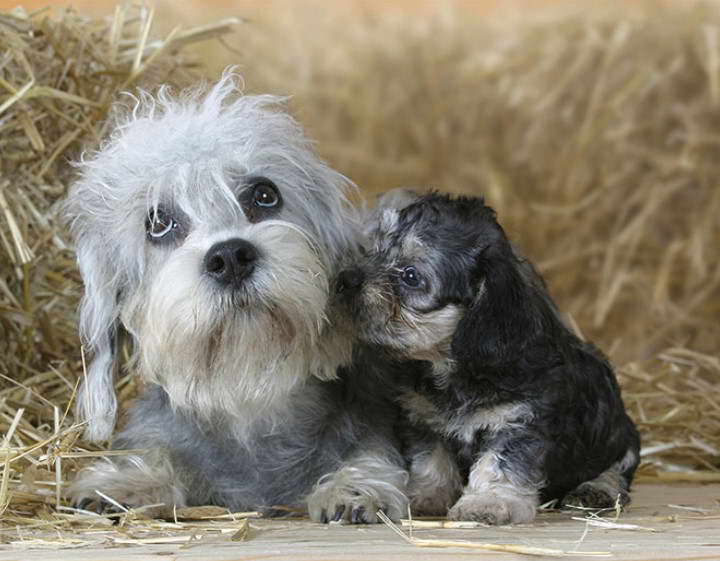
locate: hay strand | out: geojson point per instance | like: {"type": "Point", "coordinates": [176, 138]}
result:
{"type": "Point", "coordinates": [507, 548]}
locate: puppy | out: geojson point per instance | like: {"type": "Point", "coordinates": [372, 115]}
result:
{"type": "Point", "coordinates": [207, 233]}
{"type": "Point", "coordinates": [507, 408]}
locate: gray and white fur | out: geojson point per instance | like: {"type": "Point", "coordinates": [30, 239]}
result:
{"type": "Point", "coordinates": [207, 234]}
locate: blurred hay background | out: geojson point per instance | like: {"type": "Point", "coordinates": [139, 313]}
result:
{"type": "Point", "coordinates": [594, 132]}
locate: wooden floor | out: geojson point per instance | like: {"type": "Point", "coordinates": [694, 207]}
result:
{"type": "Point", "coordinates": [679, 534]}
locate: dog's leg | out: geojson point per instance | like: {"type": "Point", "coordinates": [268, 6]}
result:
{"type": "Point", "coordinates": [435, 481]}
{"type": "Point", "coordinates": [367, 482]}
{"type": "Point", "coordinates": [154, 476]}
{"type": "Point", "coordinates": [499, 491]}
{"type": "Point", "coordinates": [130, 481]}
{"type": "Point", "coordinates": [607, 489]}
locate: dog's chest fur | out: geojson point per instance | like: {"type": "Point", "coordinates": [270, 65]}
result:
{"type": "Point", "coordinates": [464, 415]}
{"type": "Point", "coordinates": [463, 424]}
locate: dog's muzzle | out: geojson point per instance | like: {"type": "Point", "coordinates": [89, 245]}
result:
{"type": "Point", "coordinates": [230, 262]}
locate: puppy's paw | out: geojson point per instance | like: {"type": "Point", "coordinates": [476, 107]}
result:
{"type": "Point", "coordinates": [589, 495]}
{"type": "Point", "coordinates": [494, 509]}
{"type": "Point", "coordinates": [430, 506]}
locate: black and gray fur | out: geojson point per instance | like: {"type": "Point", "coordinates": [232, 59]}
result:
{"type": "Point", "coordinates": [208, 232]}
{"type": "Point", "coordinates": [507, 408]}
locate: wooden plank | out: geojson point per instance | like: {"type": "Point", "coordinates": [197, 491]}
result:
{"type": "Point", "coordinates": [682, 534]}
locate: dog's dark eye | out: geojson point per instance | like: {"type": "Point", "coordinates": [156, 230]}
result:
{"type": "Point", "coordinates": [159, 224]}
{"type": "Point", "coordinates": [410, 277]}
{"type": "Point", "coordinates": [260, 198]}
{"type": "Point", "coordinates": [265, 194]}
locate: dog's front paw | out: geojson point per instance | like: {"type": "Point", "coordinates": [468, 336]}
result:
{"type": "Point", "coordinates": [356, 492]}
{"type": "Point", "coordinates": [430, 506]}
{"type": "Point", "coordinates": [589, 495]}
{"type": "Point", "coordinates": [344, 508]}
{"type": "Point", "coordinates": [101, 506]}
{"type": "Point", "coordinates": [495, 509]}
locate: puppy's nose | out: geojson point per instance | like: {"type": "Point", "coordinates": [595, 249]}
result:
{"type": "Point", "coordinates": [229, 262]}
{"type": "Point", "coordinates": [350, 279]}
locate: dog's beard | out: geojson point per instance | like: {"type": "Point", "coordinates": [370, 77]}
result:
{"type": "Point", "coordinates": [239, 352]}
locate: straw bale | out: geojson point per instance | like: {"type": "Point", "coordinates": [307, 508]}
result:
{"type": "Point", "coordinates": [60, 73]}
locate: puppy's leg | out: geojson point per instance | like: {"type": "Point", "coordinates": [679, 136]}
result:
{"type": "Point", "coordinates": [435, 481]}
{"type": "Point", "coordinates": [609, 488]}
{"type": "Point", "coordinates": [131, 481]}
{"type": "Point", "coordinates": [504, 482]}
{"type": "Point", "coordinates": [369, 481]}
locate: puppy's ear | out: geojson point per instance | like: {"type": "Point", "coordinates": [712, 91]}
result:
{"type": "Point", "coordinates": [99, 327]}
{"type": "Point", "coordinates": [397, 198]}
{"type": "Point", "coordinates": [385, 214]}
{"type": "Point", "coordinates": [504, 317]}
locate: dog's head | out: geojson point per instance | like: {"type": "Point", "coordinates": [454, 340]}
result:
{"type": "Point", "coordinates": [442, 280]}
{"type": "Point", "coordinates": [208, 230]}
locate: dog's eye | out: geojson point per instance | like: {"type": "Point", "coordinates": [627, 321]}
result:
{"type": "Point", "coordinates": [410, 277]}
{"type": "Point", "coordinates": [159, 224]}
{"type": "Point", "coordinates": [265, 194]}
{"type": "Point", "coordinates": [260, 198]}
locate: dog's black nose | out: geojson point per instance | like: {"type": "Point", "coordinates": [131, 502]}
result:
{"type": "Point", "coordinates": [229, 262]}
{"type": "Point", "coordinates": [350, 279]}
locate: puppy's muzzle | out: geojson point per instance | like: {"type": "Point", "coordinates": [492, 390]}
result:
{"type": "Point", "coordinates": [230, 262]}
{"type": "Point", "coordinates": [350, 280]}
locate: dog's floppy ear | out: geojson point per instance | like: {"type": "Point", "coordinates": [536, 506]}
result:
{"type": "Point", "coordinates": [397, 198]}
{"type": "Point", "coordinates": [504, 317]}
{"type": "Point", "coordinates": [387, 209]}
{"type": "Point", "coordinates": [96, 402]}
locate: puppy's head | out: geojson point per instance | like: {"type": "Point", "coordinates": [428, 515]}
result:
{"type": "Point", "coordinates": [209, 231]}
{"type": "Point", "coordinates": [442, 280]}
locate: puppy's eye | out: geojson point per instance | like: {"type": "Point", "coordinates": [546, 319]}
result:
{"type": "Point", "coordinates": [159, 224]}
{"type": "Point", "coordinates": [410, 277]}
{"type": "Point", "coordinates": [265, 194]}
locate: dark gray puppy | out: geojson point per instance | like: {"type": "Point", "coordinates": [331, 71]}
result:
{"type": "Point", "coordinates": [506, 408]}
{"type": "Point", "coordinates": [207, 233]}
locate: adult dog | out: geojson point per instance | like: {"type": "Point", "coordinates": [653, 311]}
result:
{"type": "Point", "coordinates": [208, 232]}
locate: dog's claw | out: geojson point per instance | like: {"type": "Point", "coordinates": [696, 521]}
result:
{"type": "Point", "coordinates": [356, 516]}
{"type": "Point", "coordinates": [101, 507]}
{"type": "Point", "coordinates": [82, 504]}
{"type": "Point", "coordinates": [92, 505]}
{"type": "Point", "coordinates": [339, 511]}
